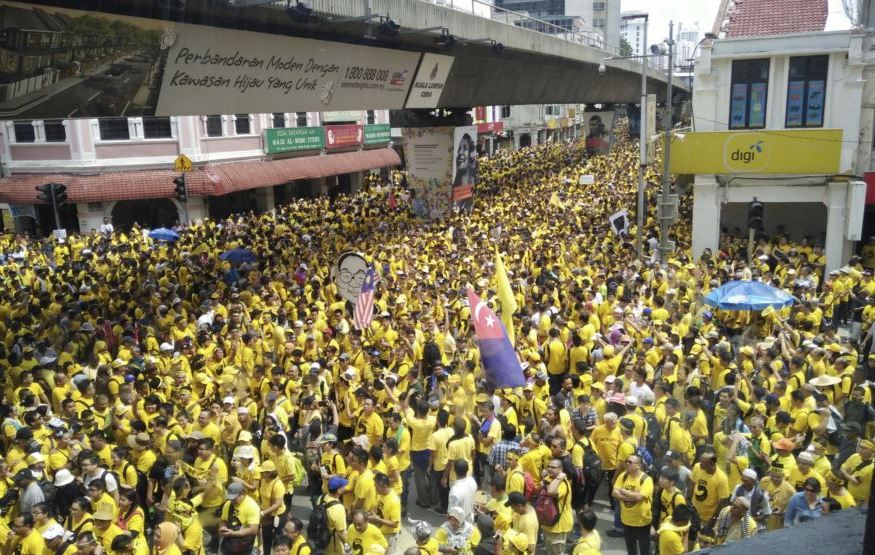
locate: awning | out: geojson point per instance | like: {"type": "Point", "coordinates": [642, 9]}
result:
{"type": "Point", "coordinates": [210, 180]}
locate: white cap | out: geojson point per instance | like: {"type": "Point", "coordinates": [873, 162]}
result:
{"type": "Point", "coordinates": [228, 400]}
{"type": "Point", "coordinates": [749, 473]}
{"type": "Point", "coordinates": [245, 452]}
{"type": "Point", "coordinates": [166, 347]}
{"type": "Point", "coordinates": [54, 530]}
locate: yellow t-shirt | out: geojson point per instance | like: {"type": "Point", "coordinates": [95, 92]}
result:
{"type": "Point", "coordinates": [864, 474]}
{"type": "Point", "coordinates": [566, 521]}
{"type": "Point", "coordinates": [271, 492]}
{"type": "Point", "coordinates": [32, 544]}
{"type": "Point", "coordinates": [361, 542]}
{"type": "Point", "coordinates": [389, 508]}
{"type": "Point", "coordinates": [365, 490]}
{"type": "Point", "coordinates": [708, 491]}
{"type": "Point", "coordinates": [636, 513]}
{"type": "Point", "coordinates": [247, 512]}
{"type": "Point", "coordinates": [606, 443]}
{"type": "Point", "coordinates": [420, 430]}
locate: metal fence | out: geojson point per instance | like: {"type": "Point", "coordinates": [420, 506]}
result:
{"type": "Point", "coordinates": [487, 9]}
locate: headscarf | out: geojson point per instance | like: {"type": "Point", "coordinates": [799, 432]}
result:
{"type": "Point", "coordinates": [168, 531]}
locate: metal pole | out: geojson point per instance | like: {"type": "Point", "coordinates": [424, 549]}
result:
{"type": "Point", "coordinates": [55, 208]}
{"type": "Point", "coordinates": [642, 154]}
{"type": "Point", "coordinates": [665, 223]}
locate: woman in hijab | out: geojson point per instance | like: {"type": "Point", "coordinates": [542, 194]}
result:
{"type": "Point", "coordinates": [165, 539]}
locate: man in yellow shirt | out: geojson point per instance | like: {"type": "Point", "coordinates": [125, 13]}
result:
{"type": "Point", "coordinates": [858, 471]}
{"type": "Point", "coordinates": [365, 493]}
{"type": "Point", "coordinates": [271, 494]}
{"type": "Point", "coordinates": [387, 514]}
{"type": "Point", "coordinates": [634, 490]}
{"type": "Point", "coordinates": [558, 486]}
{"type": "Point", "coordinates": [336, 515]}
{"type": "Point", "coordinates": [710, 487]}
{"type": "Point", "coordinates": [240, 519]}
{"type": "Point", "coordinates": [362, 535]}
{"type": "Point", "coordinates": [27, 540]}
{"type": "Point", "coordinates": [524, 519]}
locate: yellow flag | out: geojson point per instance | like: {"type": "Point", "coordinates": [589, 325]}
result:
{"type": "Point", "coordinates": [555, 201]}
{"type": "Point", "coordinates": [505, 296]}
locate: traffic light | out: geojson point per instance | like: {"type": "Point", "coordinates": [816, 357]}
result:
{"type": "Point", "coordinates": [755, 214]}
{"type": "Point", "coordinates": [179, 190]}
{"type": "Point", "coordinates": [45, 192]}
{"type": "Point", "coordinates": [60, 193]}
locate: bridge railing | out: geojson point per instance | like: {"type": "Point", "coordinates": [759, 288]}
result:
{"type": "Point", "coordinates": [487, 9]}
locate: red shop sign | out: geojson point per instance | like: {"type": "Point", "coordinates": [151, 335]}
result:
{"type": "Point", "coordinates": [491, 127]}
{"type": "Point", "coordinates": [339, 136]}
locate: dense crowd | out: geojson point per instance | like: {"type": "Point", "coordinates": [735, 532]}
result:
{"type": "Point", "coordinates": [159, 399]}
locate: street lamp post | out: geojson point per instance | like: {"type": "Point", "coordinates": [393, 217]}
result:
{"type": "Point", "coordinates": [665, 220]}
{"type": "Point", "coordinates": [642, 155]}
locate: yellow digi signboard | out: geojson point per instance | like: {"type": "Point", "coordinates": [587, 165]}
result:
{"type": "Point", "coordinates": [779, 151]}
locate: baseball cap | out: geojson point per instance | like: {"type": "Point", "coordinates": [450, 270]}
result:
{"type": "Point", "coordinates": [235, 490]}
{"type": "Point", "coordinates": [336, 482]}
{"type": "Point", "coordinates": [515, 498]}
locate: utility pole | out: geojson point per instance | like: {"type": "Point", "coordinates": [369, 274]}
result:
{"type": "Point", "coordinates": [665, 221]}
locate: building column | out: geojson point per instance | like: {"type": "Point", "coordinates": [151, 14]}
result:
{"type": "Point", "coordinates": [706, 215]}
{"type": "Point", "coordinates": [197, 209]}
{"type": "Point", "coordinates": [264, 199]}
{"type": "Point", "coordinates": [836, 195]}
{"type": "Point", "coordinates": [355, 182]}
{"type": "Point", "coordinates": [91, 219]}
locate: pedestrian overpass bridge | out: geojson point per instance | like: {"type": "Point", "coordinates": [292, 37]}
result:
{"type": "Point", "coordinates": [496, 61]}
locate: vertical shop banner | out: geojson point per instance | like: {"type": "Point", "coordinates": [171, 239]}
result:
{"type": "Point", "coordinates": [74, 63]}
{"type": "Point", "coordinates": [598, 131]}
{"type": "Point", "coordinates": [758, 93]}
{"type": "Point", "coordinates": [464, 167]}
{"type": "Point", "coordinates": [738, 106]}
{"type": "Point", "coordinates": [429, 155]}
{"type": "Point", "coordinates": [795, 98]}
{"type": "Point", "coordinates": [429, 81]}
{"type": "Point", "coordinates": [814, 106]}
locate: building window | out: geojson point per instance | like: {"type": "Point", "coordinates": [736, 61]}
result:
{"type": "Point", "coordinates": [279, 119]}
{"type": "Point", "coordinates": [505, 111]}
{"type": "Point", "coordinates": [806, 91]}
{"type": "Point", "coordinates": [55, 131]}
{"type": "Point", "coordinates": [214, 126]}
{"type": "Point", "coordinates": [598, 6]}
{"type": "Point", "coordinates": [157, 128]}
{"type": "Point", "coordinates": [371, 117]}
{"type": "Point", "coordinates": [301, 119]}
{"type": "Point", "coordinates": [749, 92]}
{"type": "Point", "coordinates": [241, 124]}
{"type": "Point", "coordinates": [598, 22]}
{"type": "Point", "coordinates": [24, 132]}
{"type": "Point", "coordinates": [114, 129]}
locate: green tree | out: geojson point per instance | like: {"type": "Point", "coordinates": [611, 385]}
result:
{"type": "Point", "coordinates": [625, 47]}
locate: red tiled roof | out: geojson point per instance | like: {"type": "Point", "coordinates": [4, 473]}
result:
{"type": "Point", "coordinates": [215, 180]}
{"type": "Point", "coordinates": [777, 17]}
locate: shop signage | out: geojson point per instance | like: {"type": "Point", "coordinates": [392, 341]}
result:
{"type": "Point", "coordinates": [293, 139]}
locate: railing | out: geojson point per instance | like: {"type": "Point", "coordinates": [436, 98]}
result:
{"type": "Point", "coordinates": [487, 9]}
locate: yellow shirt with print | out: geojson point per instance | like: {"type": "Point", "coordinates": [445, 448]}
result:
{"type": "Point", "coordinates": [389, 508]}
{"type": "Point", "coordinates": [636, 513]}
{"type": "Point", "coordinates": [708, 491]}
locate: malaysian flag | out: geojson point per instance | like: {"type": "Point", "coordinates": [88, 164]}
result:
{"type": "Point", "coordinates": [364, 307]}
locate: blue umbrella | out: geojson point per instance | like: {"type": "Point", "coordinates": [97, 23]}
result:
{"type": "Point", "coordinates": [163, 234]}
{"type": "Point", "coordinates": [748, 295]}
{"type": "Point", "coordinates": [238, 256]}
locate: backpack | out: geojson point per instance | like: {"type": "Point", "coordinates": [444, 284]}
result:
{"type": "Point", "coordinates": [592, 465]}
{"type": "Point", "coordinates": [531, 486]}
{"type": "Point", "coordinates": [50, 491]}
{"type": "Point", "coordinates": [318, 531]}
{"type": "Point", "coordinates": [298, 470]}
{"type": "Point", "coordinates": [695, 521]}
{"type": "Point", "coordinates": [646, 459]}
{"type": "Point", "coordinates": [546, 508]}
{"type": "Point", "coordinates": [654, 430]}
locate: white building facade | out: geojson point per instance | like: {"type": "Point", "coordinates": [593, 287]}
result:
{"type": "Point", "coordinates": [784, 83]}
